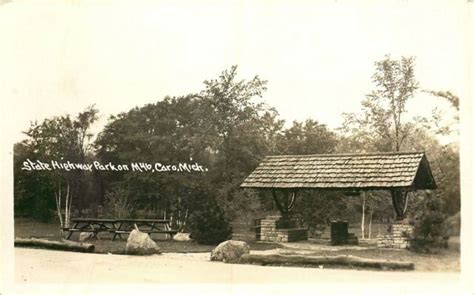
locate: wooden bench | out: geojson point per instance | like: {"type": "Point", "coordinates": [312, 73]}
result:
{"type": "Point", "coordinates": [167, 232]}
{"type": "Point", "coordinates": [149, 226]}
{"type": "Point", "coordinates": [147, 231]}
{"type": "Point", "coordinates": [93, 225]}
{"type": "Point", "coordinates": [119, 227]}
{"type": "Point", "coordinates": [79, 229]}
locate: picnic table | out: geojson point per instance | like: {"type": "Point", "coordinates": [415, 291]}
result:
{"type": "Point", "coordinates": [149, 226]}
{"type": "Point", "coordinates": [92, 225]}
{"type": "Point", "coordinates": [119, 227]}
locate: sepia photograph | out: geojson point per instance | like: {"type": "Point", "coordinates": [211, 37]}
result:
{"type": "Point", "coordinates": [251, 146]}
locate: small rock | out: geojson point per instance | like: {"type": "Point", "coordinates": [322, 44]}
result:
{"type": "Point", "coordinates": [86, 236]}
{"type": "Point", "coordinates": [141, 244]}
{"type": "Point", "coordinates": [230, 251]}
{"type": "Point", "coordinates": [182, 237]}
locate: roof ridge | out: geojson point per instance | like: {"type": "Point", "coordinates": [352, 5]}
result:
{"type": "Point", "coordinates": [351, 154]}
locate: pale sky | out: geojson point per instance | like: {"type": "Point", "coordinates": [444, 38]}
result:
{"type": "Point", "coordinates": [58, 57]}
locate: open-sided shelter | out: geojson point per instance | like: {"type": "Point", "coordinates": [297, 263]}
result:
{"type": "Point", "coordinates": [397, 172]}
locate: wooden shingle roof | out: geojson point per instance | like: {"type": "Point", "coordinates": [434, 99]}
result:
{"type": "Point", "coordinates": [343, 171]}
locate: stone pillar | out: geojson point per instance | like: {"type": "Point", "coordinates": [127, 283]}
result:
{"type": "Point", "coordinates": [399, 238]}
{"type": "Point", "coordinates": [278, 229]}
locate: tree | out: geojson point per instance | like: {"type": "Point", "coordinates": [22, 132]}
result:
{"type": "Point", "coordinates": [306, 138]}
{"type": "Point", "coordinates": [32, 190]}
{"type": "Point", "coordinates": [382, 119]}
{"type": "Point", "coordinates": [444, 163]}
{"type": "Point", "coordinates": [384, 108]}
{"type": "Point", "coordinates": [452, 98]}
{"type": "Point", "coordinates": [167, 132]}
{"type": "Point", "coordinates": [242, 129]}
{"type": "Point", "coordinates": [442, 123]}
{"type": "Point", "coordinates": [61, 139]}
{"type": "Point", "coordinates": [444, 157]}
{"type": "Point", "coordinates": [228, 105]}
{"type": "Point", "coordinates": [221, 127]}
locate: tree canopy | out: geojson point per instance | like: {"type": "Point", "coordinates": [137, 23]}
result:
{"type": "Point", "coordinates": [228, 128]}
{"type": "Point", "coordinates": [60, 138]}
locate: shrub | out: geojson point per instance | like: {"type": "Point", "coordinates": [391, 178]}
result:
{"type": "Point", "coordinates": [208, 225]}
{"type": "Point", "coordinates": [453, 225]}
{"type": "Point", "coordinates": [116, 204]}
{"type": "Point", "coordinates": [430, 229]}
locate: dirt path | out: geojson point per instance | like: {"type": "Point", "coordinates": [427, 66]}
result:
{"type": "Point", "coordinates": [45, 266]}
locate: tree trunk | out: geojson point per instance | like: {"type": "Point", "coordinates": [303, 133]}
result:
{"type": "Point", "coordinates": [341, 260]}
{"type": "Point", "coordinates": [406, 204]}
{"type": "Point", "coordinates": [62, 245]}
{"type": "Point", "coordinates": [69, 209]}
{"type": "Point", "coordinates": [370, 223]}
{"type": "Point", "coordinates": [58, 208]}
{"type": "Point", "coordinates": [183, 223]}
{"type": "Point", "coordinates": [66, 206]}
{"type": "Point", "coordinates": [362, 223]}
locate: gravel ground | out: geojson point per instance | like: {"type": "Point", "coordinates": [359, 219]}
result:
{"type": "Point", "coordinates": [46, 266]}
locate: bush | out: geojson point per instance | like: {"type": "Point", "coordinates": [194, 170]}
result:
{"type": "Point", "coordinates": [453, 225]}
{"type": "Point", "coordinates": [430, 229]}
{"type": "Point", "coordinates": [117, 205]}
{"type": "Point", "coordinates": [208, 225]}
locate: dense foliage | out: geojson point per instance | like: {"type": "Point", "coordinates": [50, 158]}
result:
{"type": "Point", "coordinates": [33, 191]}
{"type": "Point", "coordinates": [61, 138]}
{"type": "Point", "coordinates": [208, 224]}
{"type": "Point", "coordinates": [117, 204]}
{"type": "Point", "coordinates": [430, 228]}
{"type": "Point", "coordinates": [228, 129]}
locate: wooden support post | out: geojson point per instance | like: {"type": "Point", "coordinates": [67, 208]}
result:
{"type": "Point", "coordinates": [292, 202]}
{"type": "Point", "coordinates": [285, 202]}
{"type": "Point", "coordinates": [278, 204]}
{"type": "Point", "coordinates": [399, 202]}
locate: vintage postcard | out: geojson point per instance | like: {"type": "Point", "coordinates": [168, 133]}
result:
{"type": "Point", "coordinates": [236, 146]}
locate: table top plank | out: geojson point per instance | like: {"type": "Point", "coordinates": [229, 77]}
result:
{"type": "Point", "coordinates": [93, 220]}
{"type": "Point", "coordinates": [130, 220]}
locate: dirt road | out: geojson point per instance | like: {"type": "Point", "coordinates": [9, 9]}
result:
{"type": "Point", "coordinates": [45, 266]}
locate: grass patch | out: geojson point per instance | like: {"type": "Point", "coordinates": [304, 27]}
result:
{"type": "Point", "coordinates": [446, 260]}
{"type": "Point", "coordinates": [25, 228]}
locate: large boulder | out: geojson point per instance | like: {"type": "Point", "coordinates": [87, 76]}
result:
{"type": "Point", "coordinates": [139, 243]}
{"type": "Point", "coordinates": [86, 236]}
{"type": "Point", "coordinates": [230, 251]}
{"type": "Point", "coordinates": [182, 237]}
